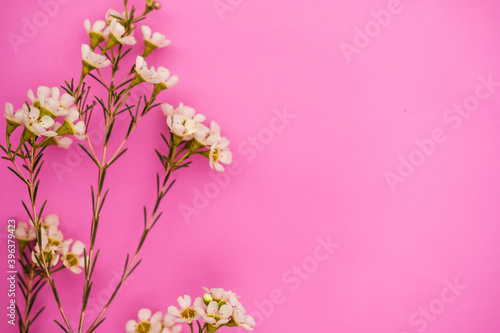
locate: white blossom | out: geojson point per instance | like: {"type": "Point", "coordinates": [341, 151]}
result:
{"type": "Point", "coordinates": [36, 125]}
{"type": "Point", "coordinates": [116, 33]}
{"type": "Point", "coordinates": [169, 325]}
{"type": "Point", "coordinates": [147, 323]}
{"type": "Point", "coordinates": [17, 118]}
{"type": "Point", "coordinates": [207, 136]}
{"type": "Point", "coordinates": [50, 101]}
{"type": "Point", "coordinates": [25, 232]}
{"type": "Point", "coordinates": [74, 259]}
{"type": "Point", "coordinates": [92, 60]}
{"type": "Point", "coordinates": [112, 14]}
{"type": "Point", "coordinates": [143, 73]}
{"type": "Point", "coordinates": [153, 40]}
{"type": "Point", "coordinates": [72, 126]}
{"type": "Point", "coordinates": [165, 81]}
{"type": "Point", "coordinates": [219, 153]}
{"type": "Point", "coordinates": [186, 313]}
{"type": "Point", "coordinates": [182, 121]}
{"type": "Point", "coordinates": [96, 31]}
{"type": "Point", "coordinates": [214, 314]}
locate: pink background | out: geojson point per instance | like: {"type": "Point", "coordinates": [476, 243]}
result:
{"type": "Point", "coordinates": [321, 174]}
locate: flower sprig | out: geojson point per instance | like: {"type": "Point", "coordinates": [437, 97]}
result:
{"type": "Point", "coordinates": [55, 251]}
{"type": "Point", "coordinates": [215, 309]}
{"type": "Point", "coordinates": [51, 118]}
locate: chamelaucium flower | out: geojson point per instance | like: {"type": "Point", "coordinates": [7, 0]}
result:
{"type": "Point", "coordinates": [24, 234]}
{"type": "Point", "coordinates": [165, 80]}
{"type": "Point", "coordinates": [205, 136]}
{"type": "Point", "coordinates": [243, 320]}
{"type": "Point", "coordinates": [229, 298]}
{"type": "Point", "coordinates": [215, 314]}
{"type": "Point", "coordinates": [143, 73]}
{"type": "Point", "coordinates": [147, 323]}
{"type": "Point", "coordinates": [219, 153]}
{"type": "Point", "coordinates": [113, 14]}
{"type": "Point", "coordinates": [116, 33]}
{"type": "Point", "coordinates": [73, 260]}
{"type": "Point", "coordinates": [92, 60]}
{"type": "Point", "coordinates": [49, 252]}
{"type": "Point", "coordinates": [186, 313]}
{"type": "Point", "coordinates": [169, 325]}
{"type": "Point", "coordinates": [152, 40]}
{"type": "Point", "coordinates": [60, 141]}
{"type": "Point", "coordinates": [50, 101]}
{"type": "Point", "coordinates": [14, 119]}
{"type": "Point", "coordinates": [97, 32]}
{"type": "Point", "coordinates": [36, 126]}
{"type": "Point", "coordinates": [69, 127]}
{"type": "Point", "coordinates": [182, 121]}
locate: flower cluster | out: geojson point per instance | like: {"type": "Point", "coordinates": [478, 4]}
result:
{"type": "Point", "coordinates": [113, 32]}
{"type": "Point", "coordinates": [217, 308]}
{"type": "Point", "coordinates": [50, 114]}
{"type": "Point", "coordinates": [160, 78]}
{"type": "Point", "coordinates": [222, 308]}
{"type": "Point", "coordinates": [153, 323]}
{"type": "Point", "coordinates": [54, 248]}
{"type": "Point", "coordinates": [187, 126]}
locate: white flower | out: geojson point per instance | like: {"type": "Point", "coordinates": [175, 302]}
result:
{"type": "Point", "coordinates": [219, 153]}
{"type": "Point", "coordinates": [51, 220]}
{"type": "Point", "coordinates": [168, 110]}
{"type": "Point", "coordinates": [183, 121]}
{"type": "Point", "coordinates": [98, 27]}
{"type": "Point", "coordinates": [63, 142]}
{"type": "Point", "coordinates": [92, 60]}
{"type": "Point", "coordinates": [14, 117]}
{"type": "Point", "coordinates": [50, 102]}
{"type": "Point", "coordinates": [69, 127]}
{"type": "Point", "coordinates": [35, 125]}
{"type": "Point", "coordinates": [97, 32]}
{"type": "Point", "coordinates": [207, 136]}
{"type": "Point", "coordinates": [147, 323]}
{"type": "Point", "coordinates": [55, 238]}
{"type": "Point", "coordinates": [112, 14]}
{"type": "Point", "coordinates": [229, 298]}
{"type": "Point", "coordinates": [25, 232]}
{"type": "Point", "coordinates": [165, 81]}
{"type": "Point", "coordinates": [143, 73]}
{"type": "Point", "coordinates": [215, 315]}
{"type": "Point", "coordinates": [243, 320]}
{"type": "Point", "coordinates": [49, 252]}
{"type": "Point", "coordinates": [116, 33]}
{"type": "Point", "coordinates": [73, 259]}
{"type": "Point", "coordinates": [51, 230]}
{"type": "Point", "coordinates": [187, 313]}
{"type": "Point", "coordinates": [153, 40]}
{"type": "Point", "coordinates": [169, 325]}
{"type": "Point", "coordinates": [60, 141]}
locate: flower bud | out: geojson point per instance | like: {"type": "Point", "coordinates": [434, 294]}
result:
{"type": "Point", "coordinates": [207, 298]}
